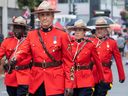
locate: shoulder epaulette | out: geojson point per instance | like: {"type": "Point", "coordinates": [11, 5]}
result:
{"type": "Point", "coordinates": [60, 29]}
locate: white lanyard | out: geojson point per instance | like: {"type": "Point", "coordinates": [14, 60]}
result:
{"type": "Point", "coordinates": [99, 43]}
{"type": "Point", "coordinates": [76, 51]}
{"type": "Point", "coordinates": [18, 44]}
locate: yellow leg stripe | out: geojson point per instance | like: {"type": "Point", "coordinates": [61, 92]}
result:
{"type": "Point", "coordinates": [111, 85]}
{"type": "Point", "coordinates": [93, 89]}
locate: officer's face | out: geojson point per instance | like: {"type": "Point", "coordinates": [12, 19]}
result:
{"type": "Point", "coordinates": [101, 32]}
{"type": "Point", "coordinates": [46, 19]}
{"type": "Point", "coordinates": [79, 33]}
{"type": "Point", "coordinates": [18, 31]}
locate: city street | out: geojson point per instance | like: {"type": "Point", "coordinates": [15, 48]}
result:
{"type": "Point", "coordinates": [117, 90]}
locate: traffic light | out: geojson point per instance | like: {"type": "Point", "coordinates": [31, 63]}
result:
{"type": "Point", "coordinates": [74, 9]}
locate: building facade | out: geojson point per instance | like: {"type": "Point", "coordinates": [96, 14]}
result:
{"type": "Point", "coordinates": [9, 8]}
{"type": "Point", "coordinates": [83, 6]}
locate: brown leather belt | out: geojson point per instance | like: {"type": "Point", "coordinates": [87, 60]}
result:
{"type": "Point", "coordinates": [79, 67]}
{"type": "Point", "coordinates": [21, 67]}
{"type": "Point", "coordinates": [107, 64]}
{"type": "Point", "coordinates": [47, 64]}
{"type": "Point", "coordinates": [83, 67]}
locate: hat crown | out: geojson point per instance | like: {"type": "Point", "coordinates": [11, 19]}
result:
{"type": "Point", "coordinates": [79, 23]}
{"type": "Point", "coordinates": [45, 5]}
{"type": "Point", "coordinates": [101, 21]}
{"type": "Point", "coordinates": [20, 20]}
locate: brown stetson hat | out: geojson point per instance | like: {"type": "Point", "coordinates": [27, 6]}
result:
{"type": "Point", "coordinates": [19, 21]}
{"type": "Point", "coordinates": [101, 23]}
{"type": "Point", "coordinates": [79, 24]}
{"type": "Point", "coordinates": [45, 7]}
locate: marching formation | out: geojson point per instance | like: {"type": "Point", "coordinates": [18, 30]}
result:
{"type": "Point", "coordinates": [49, 61]}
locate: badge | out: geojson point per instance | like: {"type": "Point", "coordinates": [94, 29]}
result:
{"type": "Point", "coordinates": [54, 40]}
{"type": "Point", "coordinates": [53, 50]}
{"type": "Point", "coordinates": [108, 45]}
{"type": "Point", "coordinates": [72, 73]}
{"type": "Point", "coordinates": [72, 77]}
{"type": "Point", "coordinates": [72, 69]}
{"type": "Point", "coordinates": [69, 47]}
{"type": "Point", "coordinates": [49, 29]}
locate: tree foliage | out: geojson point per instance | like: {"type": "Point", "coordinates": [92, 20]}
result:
{"type": "Point", "coordinates": [31, 4]}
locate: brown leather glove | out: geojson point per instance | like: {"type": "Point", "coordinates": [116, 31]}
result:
{"type": "Point", "coordinates": [11, 65]}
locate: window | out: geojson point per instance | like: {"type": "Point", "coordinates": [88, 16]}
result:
{"type": "Point", "coordinates": [81, 1]}
{"type": "Point", "coordinates": [62, 1]}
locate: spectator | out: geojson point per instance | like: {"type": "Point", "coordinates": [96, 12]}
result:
{"type": "Point", "coordinates": [126, 51]}
{"type": "Point", "coordinates": [121, 43]}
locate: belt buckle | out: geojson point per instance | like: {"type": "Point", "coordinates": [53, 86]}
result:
{"type": "Point", "coordinates": [44, 64]}
{"type": "Point", "coordinates": [16, 67]}
{"type": "Point", "coordinates": [78, 67]}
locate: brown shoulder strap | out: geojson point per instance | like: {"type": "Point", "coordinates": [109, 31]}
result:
{"type": "Point", "coordinates": [44, 47]}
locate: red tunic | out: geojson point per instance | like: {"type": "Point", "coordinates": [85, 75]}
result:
{"type": "Point", "coordinates": [54, 78]}
{"type": "Point", "coordinates": [106, 49]}
{"type": "Point", "coordinates": [17, 77]}
{"type": "Point", "coordinates": [84, 78]}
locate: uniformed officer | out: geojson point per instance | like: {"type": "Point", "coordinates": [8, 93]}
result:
{"type": "Point", "coordinates": [51, 59]}
{"type": "Point", "coordinates": [16, 76]}
{"type": "Point", "coordinates": [83, 51]}
{"type": "Point", "coordinates": [68, 25]}
{"type": "Point", "coordinates": [106, 48]}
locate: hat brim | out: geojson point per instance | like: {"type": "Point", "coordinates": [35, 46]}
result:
{"type": "Point", "coordinates": [102, 26]}
{"type": "Point", "coordinates": [69, 27]}
{"type": "Point", "coordinates": [45, 11]}
{"type": "Point", "coordinates": [74, 28]}
{"type": "Point", "coordinates": [26, 26]}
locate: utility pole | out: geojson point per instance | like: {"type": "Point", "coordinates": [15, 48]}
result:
{"type": "Point", "coordinates": [94, 5]}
